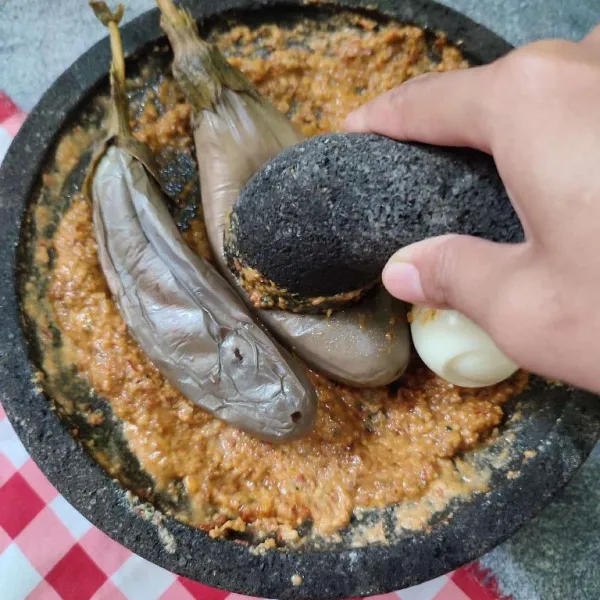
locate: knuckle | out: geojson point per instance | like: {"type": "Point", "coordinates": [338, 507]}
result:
{"type": "Point", "coordinates": [402, 96]}
{"type": "Point", "coordinates": [395, 97]}
{"type": "Point", "coordinates": [506, 322]}
{"type": "Point", "coordinates": [538, 66]}
{"type": "Point", "coordinates": [442, 274]}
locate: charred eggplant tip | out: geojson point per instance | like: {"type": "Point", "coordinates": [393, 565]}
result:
{"type": "Point", "coordinates": [300, 424]}
{"type": "Point", "coordinates": [293, 419]}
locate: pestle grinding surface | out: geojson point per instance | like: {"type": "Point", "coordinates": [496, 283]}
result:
{"type": "Point", "coordinates": [324, 216]}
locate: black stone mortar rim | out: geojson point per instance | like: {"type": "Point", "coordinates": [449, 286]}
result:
{"type": "Point", "coordinates": [326, 574]}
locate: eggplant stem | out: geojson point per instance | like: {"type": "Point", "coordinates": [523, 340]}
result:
{"type": "Point", "coordinates": [118, 60]}
{"type": "Point", "coordinates": [104, 14]}
{"type": "Point", "coordinates": [120, 115]}
{"type": "Point", "coordinates": [199, 67]}
{"type": "Point", "coordinates": [171, 12]}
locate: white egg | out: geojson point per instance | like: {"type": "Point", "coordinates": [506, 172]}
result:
{"type": "Point", "coordinates": [456, 349]}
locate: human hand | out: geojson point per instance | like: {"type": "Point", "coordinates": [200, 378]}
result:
{"type": "Point", "coordinates": [537, 111]}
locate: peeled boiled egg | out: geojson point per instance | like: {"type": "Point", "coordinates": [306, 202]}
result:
{"type": "Point", "coordinates": [456, 349]}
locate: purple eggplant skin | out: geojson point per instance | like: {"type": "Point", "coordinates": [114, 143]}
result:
{"type": "Point", "coordinates": [185, 316]}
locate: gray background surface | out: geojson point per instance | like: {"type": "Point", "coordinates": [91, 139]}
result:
{"type": "Point", "coordinates": [556, 556]}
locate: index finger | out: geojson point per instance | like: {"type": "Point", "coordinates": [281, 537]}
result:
{"type": "Point", "coordinates": [447, 109]}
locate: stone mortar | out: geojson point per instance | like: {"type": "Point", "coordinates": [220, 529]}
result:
{"type": "Point", "coordinates": [563, 426]}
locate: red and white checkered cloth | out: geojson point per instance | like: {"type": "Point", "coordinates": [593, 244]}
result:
{"type": "Point", "coordinates": [48, 551]}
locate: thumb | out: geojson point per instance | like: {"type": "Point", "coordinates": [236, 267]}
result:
{"type": "Point", "coordinates": [454, 271]}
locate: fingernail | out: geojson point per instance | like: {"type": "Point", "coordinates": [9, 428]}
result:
{"type": "Point", "coordinates": [402, 280]}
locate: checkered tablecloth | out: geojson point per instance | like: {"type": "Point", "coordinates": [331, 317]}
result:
{"type": "Point", "coordinates": [48, 551]}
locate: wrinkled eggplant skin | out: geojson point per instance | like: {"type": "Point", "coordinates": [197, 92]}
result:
{"type": "Point", "coordinates": [365, 345]}
{"type": "Point", "coordinates": [186, 317]}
